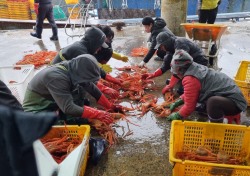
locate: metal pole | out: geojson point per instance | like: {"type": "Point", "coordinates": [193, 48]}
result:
{"type": "Point", "coordinates": [174, 12]}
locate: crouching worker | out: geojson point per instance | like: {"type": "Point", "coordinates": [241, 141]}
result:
{"type": "Point", "coordinates": [216, 90]}
{"type": "Point", "coordinates": [169, 44]}
{"type": "Point", "coordinates": [52, 90]}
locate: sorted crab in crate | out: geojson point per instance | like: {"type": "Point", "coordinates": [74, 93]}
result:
{"type": "Point", "coordinates": [205, 154]}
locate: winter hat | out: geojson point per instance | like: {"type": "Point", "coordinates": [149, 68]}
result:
{"type": "Point", "coordinates": [147, 20]}
{"type": "Point", "coordinates": [164, 38]}
{"type": "Point", "coordinates": [180, 62]}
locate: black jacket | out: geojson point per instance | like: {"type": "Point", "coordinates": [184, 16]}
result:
{"type": "Point", "coordinates": [175, 43]}
{"type": "Point", "coordinates": [159, 26]}
{"type": "Point", "coordinates": [18, 131]}
{"type": "Point", "coordinates": [92, 40]}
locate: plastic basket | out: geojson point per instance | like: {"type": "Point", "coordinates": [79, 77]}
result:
{"type": "Point", "coordinates": [74, 12]}
{"type": "Point", "coordinates": [233, 139]}
{"type": "Point", "coordinates": [71, 1]}
{"type": "Point", "coordinates": [75, 163]}
{"type": "Point", "coordinates": [17, 78]}
{"type": "Point", "coordinates": [242, 79]}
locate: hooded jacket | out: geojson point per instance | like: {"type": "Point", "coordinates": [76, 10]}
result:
{"type": "Point", "coordinates": [92, 40]}
{"type": "Point", "coordinates": [159, 26]}
{"type": "Point", "coordinates": [177, 43]}
{"type": "Point", "coordinates": [52, 88]}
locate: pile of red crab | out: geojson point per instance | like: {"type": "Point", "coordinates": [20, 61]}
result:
{"type": "Point", "coordinates": [136, 90]}
{"type": "Point", "coordinates": [38, 58]}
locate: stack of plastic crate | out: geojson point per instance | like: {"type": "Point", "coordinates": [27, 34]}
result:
{"type": "Point", "coordinates": [4, 13]}
{"type": "Point", "coordinates": [19, 9]}
{"type": "Point", "coordinates": [32, 11]}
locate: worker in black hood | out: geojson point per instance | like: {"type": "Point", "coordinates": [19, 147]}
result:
{"type": "Point", "coordinates": [153, 26]}
{"type": "Point", "coordinates": [92, 43]}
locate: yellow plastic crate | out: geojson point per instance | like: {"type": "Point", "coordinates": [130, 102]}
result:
{"type": "Point", "coordinates": [233, 139]}
{"type": "Point", "coordinates": [242, 79]}
{"type": "Point", "coordinates": [74, 12]}
{"type": "Point", "coordinates": [71, 1]}
{"type": "Point", "coordinates": [77, 158]}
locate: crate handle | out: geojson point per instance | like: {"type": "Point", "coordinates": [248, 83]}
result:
{"type": "Point", "coordinates": [223, 171]}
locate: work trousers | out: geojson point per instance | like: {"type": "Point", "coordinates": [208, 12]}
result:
{"type": "Point", "coordinates": [45, 11]}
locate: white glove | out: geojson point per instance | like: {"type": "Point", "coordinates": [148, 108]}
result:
{"type": "Point", "coordinates": [149, 44]}
{"type": "Point", "coordinates": [141, 64]}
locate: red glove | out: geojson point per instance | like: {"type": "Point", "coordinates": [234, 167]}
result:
{"type": "Point", "coordinates": [109, 91]}
{"type": "Point", "coordinates": [157, 73]}
{"type": "Point", "coordinates": [103, 101]}
{"type": "Point", "coordinates": [113, 80]}
{"type": "Point", "coordinates": [92, 113]}
{"type": "Point", "coordinates": [171, 85]}
{"type": "Point", "coordinates": [36, 5]}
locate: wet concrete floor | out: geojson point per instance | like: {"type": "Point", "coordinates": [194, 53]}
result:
{"type": "Point", "coordinates": [145, 152]}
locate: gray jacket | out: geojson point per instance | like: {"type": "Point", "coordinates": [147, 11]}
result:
{"type": "Point", "coordinates": [57, 83]}
{"type": "Point", "coordinates": [215, 83]}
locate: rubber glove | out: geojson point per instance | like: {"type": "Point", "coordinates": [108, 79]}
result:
{"type": "Point", "coordinates": [172, 83]}
{"type": "Point", "coordinates": [107, 68]}
{"type": "Point", "coordinates": [149, 44]}
{"type": "Point", "coordinates": [175, 104]}
{"type": "Point", "coordinates": [157, 73]}
{"type": "Point", "coordinates": [103, 101]}
{"type": "Point", "coordinates": [142, 64]}
{"type": "Point", "coordinates": [92, 113]}
{"type": "Point", "coordinates": [107, 90]}
{"type": "Point", "coordinates": [113, 80]}
{"type": "Point", "coordinates": [174, 116]}
{"type": "Point", "coordinates": [36, 5]}
{"type": "Point", "coordinates": [120, 57]}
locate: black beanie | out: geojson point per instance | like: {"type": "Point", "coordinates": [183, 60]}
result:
{"type": "Point", "coordinates": [147, 20]}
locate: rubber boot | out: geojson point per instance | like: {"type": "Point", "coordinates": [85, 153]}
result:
{"type": "Point", "coordinates": [217, 120]}
{"type": "Point", "coordinates": [97, 147]}
{"type": "Point", "coordinates": [201, 108]}
{"type": "Point", "coordinates": [235, 118]}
